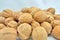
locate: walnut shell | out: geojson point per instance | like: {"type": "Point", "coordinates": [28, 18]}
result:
{"type": "Point", "coordinates": [7, 20]}
{"type": "Point", "coordinates": [35, 24]}
{"type": "Point", "coordinates": [51, 10]}
{"type": "Point", "coordinates": [39, 33]}
{"type": "Point", "coordinates": [25, 18]}
{"type": "Point", "coordinates": [34, 10]}
{"type": "Point", "coordinates": [49, 18]}
{"type": "Point", "coordinates": [12, 24]}
{"type": "Point", "coordinates": [47, 27]}
{"type": "Point", "coordinates": [55, 22]}
{"type": "Point", "coordinates": [8, 34]}
{"type": "Point", "coordinates": [40, 16]}
{"type": "Point", "coordinates": [56, 32]}
{"type": "Point", "coordinates": [6, 13]}
{"type": "Point", "coordinates": [2, 26]}
{"type": "Point", "coordinates": [24, 31]}
{"type": "Point", "coordinates": [2, 19]}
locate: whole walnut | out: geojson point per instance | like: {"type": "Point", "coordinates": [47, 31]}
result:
{"type": "Point", "coordinates": [25, 18]}
{"type": "Point", "coordinates": [6, 13]}
{"type": "Point", "coordinates": [39, 33]}
{"type": "Point", "coordinates": [55, 22]}
{"type": "Point", "coordinates": [24, 31]}
{"type": "Point", "coordinates": [56, 32]}
{"type": "Point", "coordinates": [12, 24]}
{"type": "Point", "coordinates": [35, 24]}
{"type": "Point", "coordinates": [34, 10]}
{"type": "Point", "coordinates": [40, 16]}
{"type": "Point", "coordinates": [47, 27]}
{"type": "Point", "coordinates": [8, 34]}
{"type": "Point", "coordinates": [7, 20]}
{"type": "Point", "coordinates": [51, 10]}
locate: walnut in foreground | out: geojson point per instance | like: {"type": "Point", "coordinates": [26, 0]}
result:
{"type": "Point", "coordinates": [56, 32]}
{"type": "Point", "coordinates": [47, 27]}
{"type": "Point", "coordinates": [24, 31]}
{"type": "Point", "coordinates": [8, 34]}
{"type": "Point", "coordinates": [39, 33]}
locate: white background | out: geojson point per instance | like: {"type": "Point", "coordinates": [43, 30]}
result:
{"type": "Point", "coordinates": [18, 4]}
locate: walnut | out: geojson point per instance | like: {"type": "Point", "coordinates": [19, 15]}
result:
{"type": "Point", "coordinates": [25, 18]}
{"type": "Point", "coordinates": [47, 27]}
{"type": "Point", "coordinates": [12, 24]}
{"type": "Point", "coordinates": [40, 16]}
{"type": "Point", "coordinates": [8, 34]}
{"type": "Point", "coordinates": [56, 32]}
{"type": "Point", "coordinates": [24, 31]}
{"type": "Point", "coordinates": [39, 33]}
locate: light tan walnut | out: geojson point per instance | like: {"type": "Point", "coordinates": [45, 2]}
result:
{"type": "Point", "coordinates": [6, 13]}
{"type": "Point", "coordinates": [55, 22]}
{"type": "Point", "coordinates": [7, 20]}
{"type": "Point", "coordinates": [2, 19]}
{"type": "Point", "coordinates": [8, 34]}
{"type": "Point", "coordinates": [12, 24]}
{"type": "Point", "coordinates": [40, 16]}
{"type": "Point", "coordinates": [51, 10]}
{"type": "Point", "coordinates": [47, 27]}
{"type": "Point", "coordinates": [2, 26]}
{"type": "Point", "coordinates": [39, 33]}
{"type": "Point", "coordinates": [25, 18]}
{"type": "Point", "coordinates": [49, 18]}
{"type": "Point", "coordinates": [34, 10]}
{"type": "Point", "coordinates": [24, 31]}
{"type": "Point", "coordinates": [56, 32]}
{"type": "Point", "coordinates": [35, 24]}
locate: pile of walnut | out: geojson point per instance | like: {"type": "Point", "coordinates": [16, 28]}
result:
{"type": "Point", "coordinates": [28, 22]}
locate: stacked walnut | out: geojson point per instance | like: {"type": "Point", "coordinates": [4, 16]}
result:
{"type": "Point", "coordinates": [28, 22]}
